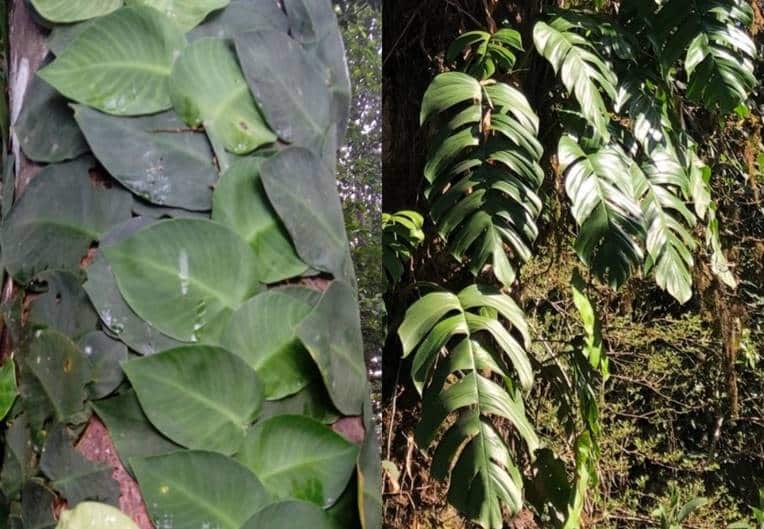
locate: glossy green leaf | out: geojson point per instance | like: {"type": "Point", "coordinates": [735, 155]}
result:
{"type": "Point", "coordinates": [159, 159]}
{"type": "Point", "coordinates": [130, 430]}
{"type": "Point", "coordinates": [77, 479]}
{"type": "Point", "coordinates": [240, 203]}
{"type": "Point", "coordinates": [121, 63]}
{"type": "Point", "coordinates": [186, 14]}
{"type": "Point", "coordinates": [263, 333]}
{"type": "Point", "coordinates": [297, 457]}
{"type": "Point", "coordinates": [240, 16]}
{"type": "Point", "coordinates": [208, 89]}
{"type": "Point", "coordinates": [88, 515]}
{"type": "Point", "coordinates": [191, 488]}
{"type": "Point", "coordinates": [8, 389]}
{"type": "Point", "coordinates": [289, 85]}
{"type": "Point", "coordinates": [303, 192]}
{"type": "Point", "coordinates": [104, 356]}
{"type": "Point", "coordinates": [53, 377]}
{"type": "Point", "coordinates": [290, 514]}
{"type": "Point", "coordinates": [447, 90]}
{"type": "Point", "coordinates": [45, 127]}
{"type": "Point", "coordinates": [332, 335]}
{"type": "Point", "coordinates": [116, 315]}
{"type": "Point", "coordinates": [181, 275]}
{"type": "Point", "coordinates": [63, 306]}
{"type": "Point", "coordinates": [199, 396]}
{"type": "Point", "coordinates": [66, 11]}
{"type": "Point", "coordinates": [59, 215]}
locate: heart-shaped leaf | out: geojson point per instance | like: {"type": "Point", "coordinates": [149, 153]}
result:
{"type": "Point", "coordinates": [297, 457]}
{"type": "Point", "coordinates": [76, 478]}
{"type": "Point", "coordinates": [120, 63]}
{"type": "Point", "coordinates": [46, 129]}
{"type": "Point", "coordinates": [90, 514]}
{"type": "Point", "coordinates": [288, 84]}
{"type": "Point", "coordinates": [208, 89]}
{"type": "Point", "coordinates": [303, 192]}
{"type": "Point", "coordinates": [240, 202]}
{"type": "Point", "coordinates": [262, 332]}
{"type": "Point", "coordinates": [332, 335]}
{"type": "Point", "coordinates": [104, 356]}
{"type": "Point", "coordinates": [158, 158]}
{"type": "Point", "coordinates": [115, 313]}
{"type": "Point", "coordinates": [186, 14]}
{"type": "Point", "coordinates": [66, 11]}
{"type": "Point", "coordinates": [199, 396]}
{"type": "Point", "coordinates": [190, 488]}
{"type": "Point", "coordinates": [290, 514]}
{"type": "Point", "coordinates": [59, 215]}
{"type": "Point", "coordinates": [180, 275]}
{"type": "Point", "coordinates": [130, 429]}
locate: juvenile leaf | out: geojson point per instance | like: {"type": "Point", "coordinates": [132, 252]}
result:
{"type": "Point", "coordinates": [66, 11]}
{"type": "Point", "coordinates": [263, 333]}
{"type": "Point", "coordinates": [158, 158]}
{"type": "Point", "coordinates": [130, 429]}
{"type": "Point", "coordinates": [192, 488]}
{"type": "Point", "coordinates": [303, 192]}
{"type": "Point", "coordinates": [199, 396]}
{"type": "Point", "coordinates": [76, 478]}
{"type": "Point", "coordinates": [181, 275]}
{"type": "Point", "coordinates": [332, 335]}
{"type": "Point", "coordinates": [8, 390]}
{"type": "Point", "coordinates": [297, 457]}
{"type": "Point", "coordinates": [104, 356]}
{"type": "Point", "coordinates": [186, 14]}
{"type": "Point", "coordinates": [46, 129]}
{"type": "Point", "coordinates": [289, 85]}
{"type": "Point", "coordinates": [208, 89]}
{"type": "Point", "coordinates": [289, 514]}
{"type": "Point", "coordinates": [240, 203]}
{"type": "Point", "coordinates": [89, 514]}
{"type": "Point", "coordinates": [59, 215]}
{"type": "Point", "coordinates": [120, 64]}
{"type": "Point", "coordinates": [591, 322]}
{"type": "Point", "coordinates": [53, 378]}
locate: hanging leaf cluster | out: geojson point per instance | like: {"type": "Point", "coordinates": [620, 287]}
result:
{"type": "Point", "coordinates": [182, 271]}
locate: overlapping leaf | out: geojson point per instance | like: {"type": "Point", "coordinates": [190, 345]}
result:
{"type": "Point", "coordinates": [485, 53]}
{"type": "Point", "coordinates": [186, 14]}
{"type": "Point", "coordinates": [67, 11]}
{"type": "Point", "coordinates": [402, 232]}
{"type": "Point", "coordinates": [483, 172]}
{"type": "Point", "coordinates": [120, 63]}
{"type": "Point", "coordinates": [483, 476]}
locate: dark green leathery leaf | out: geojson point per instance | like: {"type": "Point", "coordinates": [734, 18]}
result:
{"type": "Point", "coordinates": [185, 490]}
{"type": "Point", "coordinates": [130, 430]}
{"type": "Point", "coordinates": [59, 215]}
{"type": "Point", "coordinates": [66, 11]}
{"type": "Point", "coordinates": [289, 85]}
{"type": "Point", "coordinates": [312, 401]}
{"type": "Point", "coordinates": [332, 335]}
{"type": "Point", "coordinates": [288, 515]}
{"type": "Point", "coordinates": [18, 457]}
{"type": "Point", "coordinates": [46, 128]}
{"type": "Point", "coordinates": [303, 192]}
{"type": "Point", "coordinates": [181, 275]}
{"type": "Point", "coordinates": [262, 332]}
{"type": "Point", "coordinates": [185, 13]}
{"type": "Point", "coordinates": [74, 477]}
{"type": "Point", "coordinates": [199, 396]}
{"type": "Point", "coordinates": [64, 305]}
{"type": "Point", "coordinates": [297, 457]}
{"type": "Point", "coordinates": [241, 16]}
{"type": "Point", "coordinates": [53, 377]}
{"type": "Point", "coordinates": [314, 24]}
{"type": "Point", "coordinates": [158, 158]}
{"type": "Point", "coordinates": [120, 63]}
{"type": "Point", "coordinates": [114, 311]}
{"type": "Point", "coordinates": [37, 502]}
{"type": "Point", "coordinates": [240, 202]}
{"type": "Point", "coordinates": [104, 356]}
{"type": "Point", "coordinates": [208, 89]}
